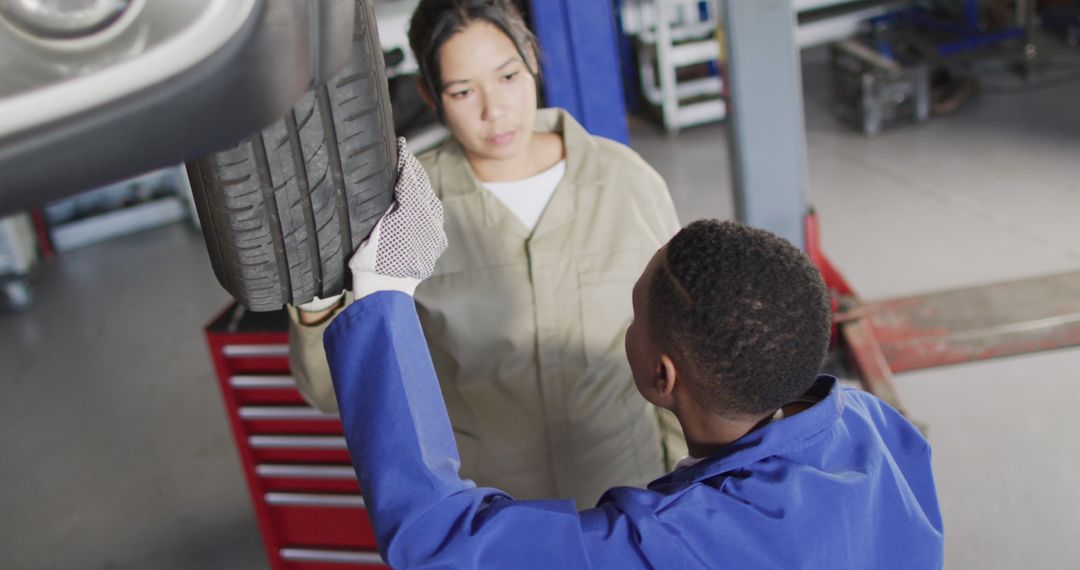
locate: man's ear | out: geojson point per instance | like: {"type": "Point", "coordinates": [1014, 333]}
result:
{"type": "Point", "coordinates": [425, 96]}
{"type": "Point", "coordinates": [667, 376]}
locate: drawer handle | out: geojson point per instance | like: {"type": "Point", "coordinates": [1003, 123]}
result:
{"type": "Point", "coordinates": [257, 350]}
{"type": "Point", "coordinates": [331, 556]}
{"type": "Point", "coordinates": [262, 382]}
{"type": "Point", "coordinates": [342, 472]}
{"type": "Point", "coordinates": [283, 413]}
{"type": "Point", "coordinates": [297, 442]}
{"type": "Point", "coordinates": [313, 500]}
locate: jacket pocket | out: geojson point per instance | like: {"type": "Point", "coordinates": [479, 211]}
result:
{"type": "Point", "coordinates": [605, 284]}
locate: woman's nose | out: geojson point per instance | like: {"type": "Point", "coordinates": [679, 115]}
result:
{"type": "Point", "coordinates": [494, 107]}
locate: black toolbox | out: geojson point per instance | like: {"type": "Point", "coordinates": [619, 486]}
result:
{"type": "Point", "coordinates": [875, 89]}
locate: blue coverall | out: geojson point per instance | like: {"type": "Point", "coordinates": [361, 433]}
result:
{"type": "Point", "coordinates": [845, 484]}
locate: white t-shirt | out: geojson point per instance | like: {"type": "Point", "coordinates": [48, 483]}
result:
{"type": "Point", "coordinates": [528, 197]}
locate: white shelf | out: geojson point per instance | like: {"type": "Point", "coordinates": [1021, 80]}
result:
{"type": "Point", "coordinates": [682, 33]}
{"type": "Point", "coordinates": [701, 113]}
{"type": "Point", "coordinates": [689, 89]}
{"type": "Point", "coordinates": [695, 52]}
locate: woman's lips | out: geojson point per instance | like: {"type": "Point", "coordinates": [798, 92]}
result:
{"type": "Point", "coordinates": [503, 138]}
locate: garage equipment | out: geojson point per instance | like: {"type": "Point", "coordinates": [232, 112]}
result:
{"type": "Point", "coordinates": [879, 338]}
{"type": "Point", "coordinates": [148, 201]}
{"type": "Point", "coordinates": [976, 323]}
{"type": "Point", "coordinates": [303, 487]}
{"type": "Point", "coordinates": [679, 58]}
{"type": "Point", "coordinates": [875, 89]}
{"type": "Point", "coordinates": [680, 49]}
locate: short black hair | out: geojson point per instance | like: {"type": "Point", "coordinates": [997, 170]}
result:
{"type": "Point", "coordinates": [744, 312]}
{"type": "Point", "coordinates": [434, 22]}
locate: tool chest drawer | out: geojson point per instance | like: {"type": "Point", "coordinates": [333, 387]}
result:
{"type": "Point", "coordinates": [323, 559]}
{"type": "Point", "coordinates": [296, 419]}
{"type": "Point", "coordinates": [318, 449]}
{"type": "Point", "coordinates": [302, 485]}
{"type": "Point", "coordinates": [318, 519]}
{"type": "Point", "coordinates": [265, 390]}
{"type": "Point", "coordinates": [308, 477]}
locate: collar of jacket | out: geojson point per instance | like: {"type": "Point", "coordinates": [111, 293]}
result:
{"type": "Point", "coordinates": [457, 179]}
{"type": "Point", "coordinates": [777, 438]}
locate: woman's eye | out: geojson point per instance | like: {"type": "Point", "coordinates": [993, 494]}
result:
{"type": "Point", "coordinates": [460, 94]}
{"type": "Point", "coordinates": [510, 76]}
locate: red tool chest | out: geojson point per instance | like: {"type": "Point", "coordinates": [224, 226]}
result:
{"type": "Point", "coordinates": [297, 468]}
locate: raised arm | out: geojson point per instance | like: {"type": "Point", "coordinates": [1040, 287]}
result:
{"type": "Point", "coordinates": [399, 436]}
{"type": "Point", "coordinates": [403, 450]}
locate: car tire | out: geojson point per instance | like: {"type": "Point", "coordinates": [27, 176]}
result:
{"type": "Point", "coordinates": [283, 211]}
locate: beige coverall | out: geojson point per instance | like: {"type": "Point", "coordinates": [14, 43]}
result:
{"type": "Point", "coordinates": [526, 330]}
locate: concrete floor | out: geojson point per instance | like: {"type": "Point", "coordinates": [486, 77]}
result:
{"type": "Point", "coordinates": [116, 452]}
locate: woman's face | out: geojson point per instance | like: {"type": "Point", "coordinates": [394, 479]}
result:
{"type": "Point", "coordinates": [488, 94]}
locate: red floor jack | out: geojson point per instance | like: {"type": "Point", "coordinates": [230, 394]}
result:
{"type": "Point", "coordinates": [948, 327]}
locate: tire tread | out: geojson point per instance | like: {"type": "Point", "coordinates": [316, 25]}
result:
{"type": "Point", "coordinates": [283, 211]}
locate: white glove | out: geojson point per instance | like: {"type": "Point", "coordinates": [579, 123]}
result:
{"type": "Point", "coordinates": [404, 246]}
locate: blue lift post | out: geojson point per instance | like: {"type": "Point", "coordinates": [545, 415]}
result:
{"type": "Point", "coordinates": [580, 63]}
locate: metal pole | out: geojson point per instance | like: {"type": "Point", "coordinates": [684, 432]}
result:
{"type": "Point", "coordinates": [767, 131]}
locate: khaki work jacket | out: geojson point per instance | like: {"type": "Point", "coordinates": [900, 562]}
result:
{"type": "Point", "coordinates": [526, 329]}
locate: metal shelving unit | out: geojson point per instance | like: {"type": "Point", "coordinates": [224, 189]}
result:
{"type": "Point", "coordinates": [152, 200]}
{"type": "Point", "coordinates": [671, 36]}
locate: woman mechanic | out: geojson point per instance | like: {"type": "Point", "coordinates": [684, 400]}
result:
{"type": "Point", "coordinates": [548, 228]}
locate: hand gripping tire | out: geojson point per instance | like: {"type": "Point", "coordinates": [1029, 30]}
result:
{"type": "Point", "coordinates": [283, 211]}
